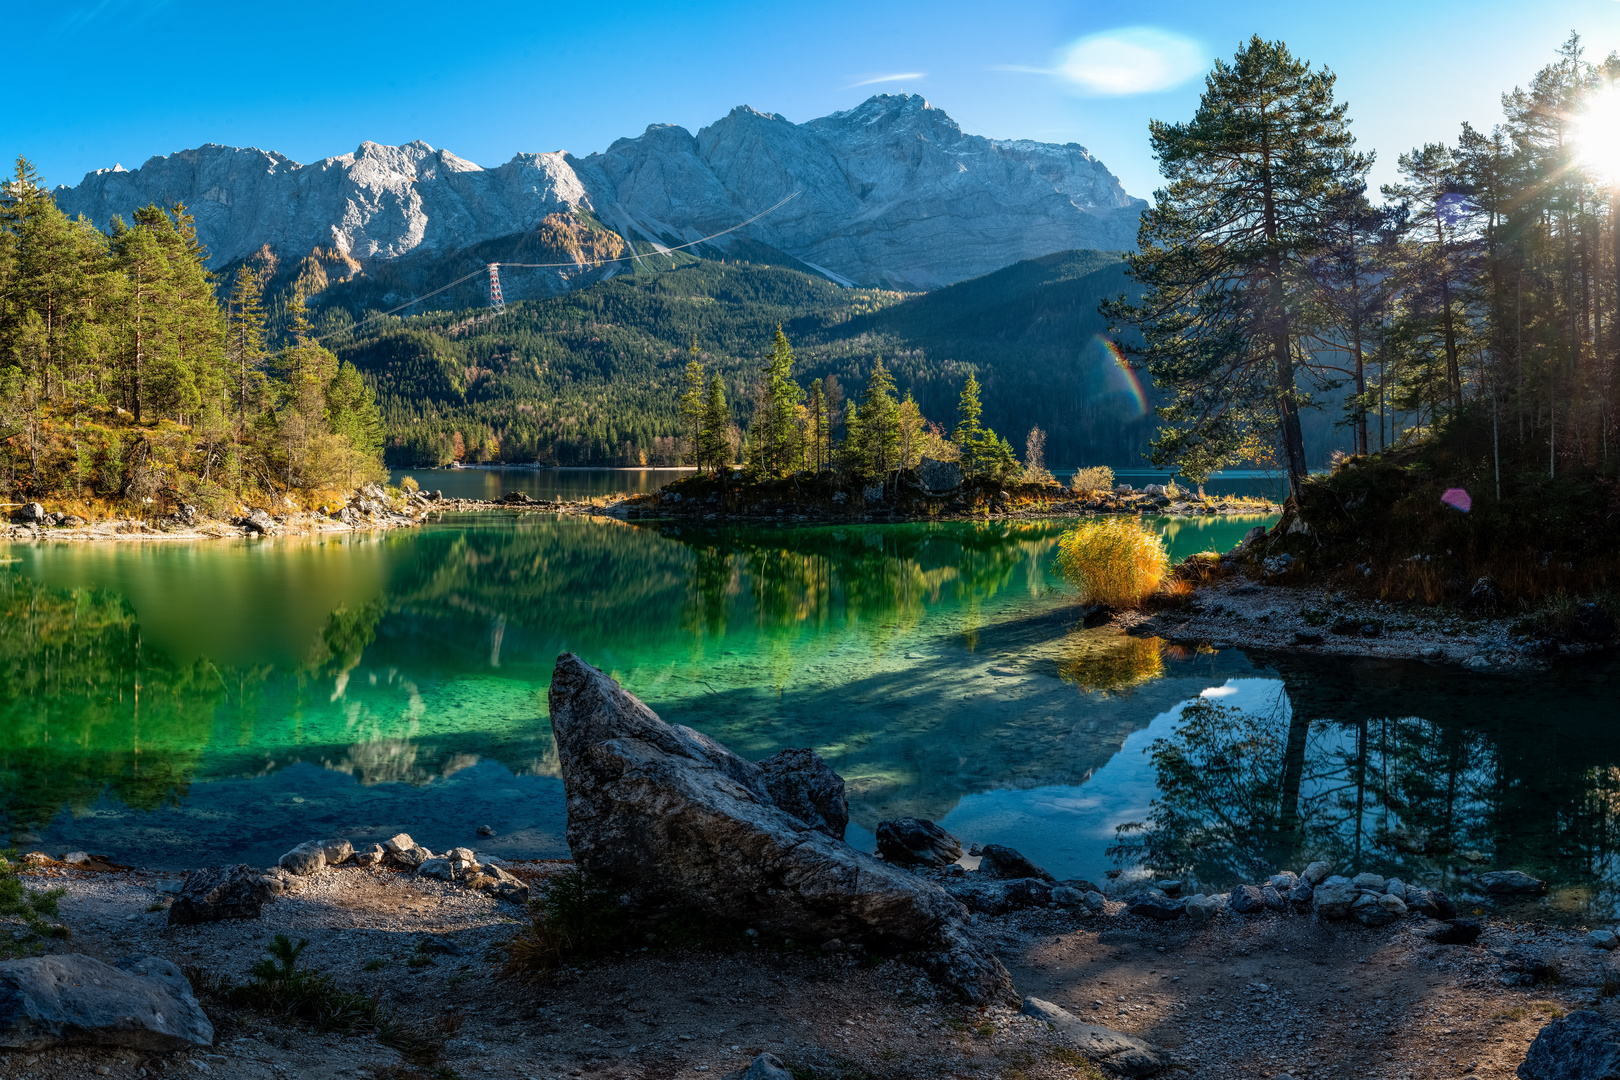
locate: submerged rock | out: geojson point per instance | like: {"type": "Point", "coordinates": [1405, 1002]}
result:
{"type": "Point", "coordinates": [1510, 883]}
{"type": "Point", "coordinates": [1581, 1046]}
{"type": "Point", "coordinates": [143, 1003]}
{"type": "Point", "coordinates": [916, 842]}
{"type": "Point", "coordinates": [224, 892]}
{"type": "Point", "coordinates": [676, 822]}
{"type": "Point", "coordinates": [1005, 862]}
{"type": "Point", "coordinates": [1113, 1050]}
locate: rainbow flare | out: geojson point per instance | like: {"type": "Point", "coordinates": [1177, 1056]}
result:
{"type": "Point", "coordinates": [1121, 378]}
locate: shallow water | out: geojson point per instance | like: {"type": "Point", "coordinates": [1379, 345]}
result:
{"type": "Point", "coordinates": [547, 484]}
{"type": "Point", "coordinates": [181, 704]}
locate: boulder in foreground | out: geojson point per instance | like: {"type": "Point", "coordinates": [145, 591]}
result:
{"type": "Point", "coordinates": [676, 822]}
{"type": "Point", "coordinates": [223, 892]}
{"type": "Point", "coordinates": [910, 841]}
{"type": "Point", "coordinates": [143, 1003]}
{"type": "Point", "coordinates": [1582, 1046]}
{"type": "Point", "coordinates": [1113, 1050]}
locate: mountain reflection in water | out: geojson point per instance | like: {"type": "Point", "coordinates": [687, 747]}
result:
{"type": "Point", "coordinates": [935, 666]}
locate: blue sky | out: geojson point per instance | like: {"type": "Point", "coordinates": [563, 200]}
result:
{"type": "Point", "coordinates": [121, 80]}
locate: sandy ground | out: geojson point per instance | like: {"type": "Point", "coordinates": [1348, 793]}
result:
{"type": "Point", "coordinates": [1238, 612]}
{"type": "Point", "coordinates": [1237, 997]}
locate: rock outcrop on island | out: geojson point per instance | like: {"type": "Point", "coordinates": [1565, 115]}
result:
{"type": "Point", "coordinates": [892, 192]}
{"type": "Point", "coordinates": [675, 822]}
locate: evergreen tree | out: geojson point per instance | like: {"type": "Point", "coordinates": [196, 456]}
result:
{"type": "Point", "coordinates": [714, 445]}
{"type": "Point", "coordinates": [968, 435]}
{"type": "Point", "coordinates": [774, 436]}
{"type": "Point", "coordinates": [245, 341]}
{"type": "Point", "coordinates": [909, 427]}
{"type": "Point", "coordinates": [691, 404]}
{"type": "Point", "coordinates": [1249, 179]}
{"type": "Point", "coordinates": [818, 429]}
{"type": "Point", "coordinates": [879, 421]}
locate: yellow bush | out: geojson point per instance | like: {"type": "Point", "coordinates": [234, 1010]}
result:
{"type": "Point", "coordinates": [1114, 561]}
{"type": "Point", "coordinates": [1095, 478]}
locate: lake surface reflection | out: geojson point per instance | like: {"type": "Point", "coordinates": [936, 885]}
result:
{"type": "Point", "coordinates": [181, 704]}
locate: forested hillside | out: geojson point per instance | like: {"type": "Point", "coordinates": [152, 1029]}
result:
{"type": "Point", "coordinates": [594, 376]}
{"type": "Point", "coordinates": [128, 375]}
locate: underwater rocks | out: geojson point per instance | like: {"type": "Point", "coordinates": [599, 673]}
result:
{"type": "Point", "coordinates": [916, 842]}
{"type": "Point", "coordinates": [144, 1003]}
{"type": "Point", "coordinates": [677, 822]}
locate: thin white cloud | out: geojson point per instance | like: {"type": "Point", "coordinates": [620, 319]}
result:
{"type": "Point", "coordinates": [888, 78]}
{"type": "Point", "coordinates": [1131, 60]}
{"type": "Point", "coordinates": [1022, 69]}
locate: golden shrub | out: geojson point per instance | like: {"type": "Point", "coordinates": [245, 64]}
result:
{"type": "Point", "coordinates": [1095, 478]}
{"type": "Point", "coordinates": [1113, 561]}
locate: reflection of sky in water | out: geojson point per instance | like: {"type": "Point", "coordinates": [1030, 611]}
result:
{"type": "Point", "coordinates": [1067, 828]}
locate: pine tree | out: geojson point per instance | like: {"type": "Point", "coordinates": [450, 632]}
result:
{"type": "Point", "coordinates": [774, 438]}
{"type": "Point", "coordinates": [968, 435]}
{"type": "Point", "coordinates": [910, 426]}
{"type": "Point", "coordinates": [1218, 256]}
{"type": "Point", "coordinates": [691, 407]}
{"type": "Point", "coordinates": [879, 442]}
{"type": "Point", "coordinates": [818, 429]}
{"type": "Point", "coordinates": [245, 318]}
{"type": "Point", "coordinates": [714, 446]}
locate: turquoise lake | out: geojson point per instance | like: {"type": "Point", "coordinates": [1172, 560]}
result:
{"type": "Point", "coordinates": [180, 704]}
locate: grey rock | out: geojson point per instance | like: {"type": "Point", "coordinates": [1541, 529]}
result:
{"type": "Point", "coordinates": [1368, 910]}
{"type": "Point", "coordinates": [485, 830]}
{"type": "Point", "coordinates": [1485, 598]}
{"type": "Point", "coordinates": [1333, 897]}
{"type": "Point", "coordinates": [1430, 902]}
{"type": "Point", "coordinates": [1155, 905]}
{"type": "Point", "coordinates": [143, 1003]}
{"type": "Point", "coordinates": [1510, 883]}
{"type": "Point", "coordinates": [1004, 862]}
{"type": "Point", "coordinates": [437, 868]}
{"type": "Point", "coordinates": [76, 858]}
{"type": "Point", "coordinates": [513, 891]}
{"type": "Point", "coordinates": [1449, 932]}
{"type": "Point", "coordinates": [1524, 967]}
{"type": "Point", "coordinates": [803, 785]}
{"type": "Point", "coordinates": [1317, 872]}
{"type": "Point", "coordinates": [1248, 900]}
{"type": "Point", "coordinates": [336, 850]}
{"type": "Point", "coordinates": [258, 522]}
{"type": "Point", "coordinates": [1283, 882]}
{"type": "Point", "coordinates": [1301, 896]}
{"type": "Point", "coordinates": [915, 842]}
{"type": "Point", "coordinates": [1602, 939]}
{"type": "Point", "coordinates": [371, 856]}
{"type": "Point", "coordinates": [224, 892]}
{"type": "Point", "coordinates": [1113, 1050]}
{"type": "Point", "coordinates": [997, 897]}
{"type": "Point", "coordinates": [1584, 1045]}
{"type": "Point", "coordinates": [939, 477]}
{"type": "Point", "coordinates": [766, 1067]}
{"type": "Point", "coordinates": [32, 514]}
{"type": "Point", "coordinates": [438, 946]}
{"type": "Point", "coordinates": [399, 843]}
{"type": "Point", "coordinates": [1395, 887]}
{"type": "Point", "coordinates": [1096, 902]}
{"type": "Point", "coordinates": [305, 859]}
{"type": "Point", "coordinates": [1369, 883]}
{"type": "Point", "coordinates": [672, 820]}
{"type": "Point", "coordinates": [462, 854]}
{"type": "Point", "coordinates": [1065, 897]}
{"type": "Point", "coordinates": [1201, 908]}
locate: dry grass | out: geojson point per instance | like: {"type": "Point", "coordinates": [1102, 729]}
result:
{"type": "Point", "coordinates": [1116, 562]}
{"type": "Point", "coordinates": [1095, 478]}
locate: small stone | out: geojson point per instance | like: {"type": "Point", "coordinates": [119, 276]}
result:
{"type": "Point", "coordinates": [1001, 861]}
{"type": "Point", "coordinates": [1155, 905]}
{"type": "Point", "coordinates": [913, 841]}
{"type": "Point", "coordinates": [1273, 899]}
{"type": "Point", "coordinates": [1602, 939]}
{"type": "Point", "coordinates": [1317, 872]}
{"type": "Point", "coordinates": [462, 854]}
{"type": "Point", "coordinates": [437, 868]}
{"type": "Point", "coordinates": [1450, 932]}
{"type": "Point", "coordinates": [398, 843]}
{"type": "Point", "coordinates": [1301, 896]}
{"type": "Point", "coordinates": [441, 946]}
{"type": "Point", "coordinates": [1284, 881]}
{"type": "Point", "coordinates": [1065, 897]}
{"type": "Point", "coordinates": [485, 830]}
{"type": "Point", "coordinates": [767, 1067]}
{"type": "Point", "coordinates": [226, 892]}
{"type": "Point", "coordinates": [1373, 883]}
{"type": "Point", "coordinates": [1396, 888]}
{"type": "Point", "coordinates": [76, 858]}
{"type": "Point", "coordinates": [1369, 911]}
{"type": "Point", "coordinates": [1248, 900]}
{"type": "Point", "coordinates": [371, 856]}
{"type": "Point", "coordinates": [1333, 896]}
{"type": "Point", "coordinates": [305, 859]}
{"type": "Point", "coordinates": [1095, 902]}
{"type": "Point", "coordinates": [336, 850]}
{"type": "Point", "coordinates": [512, 891]}
{"type": "Point", "coordinates": [1393, 904]}
{"type": "Point", "coordinates": [1201, 908]}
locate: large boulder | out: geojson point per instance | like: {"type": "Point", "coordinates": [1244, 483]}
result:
{"type": "Point", "coordinates": [803, 785]}
{"type": "Point", "coordinates": [144, 1003]}
{"type": "Point", "coordinates": [1582, 1046]}
{"type": "Point", "coordinates": [223, 892]}
{"type": "Point", "coordinates": [939, 477]}
{"type": "Point", "coordinates": [1113, 1050]}
{"type": "Point", "coordinates": [910, 841]}
{"type": "Point", "coordinates": [1333, 896]}
{"type": "Point", "coordinates": [674, 821]}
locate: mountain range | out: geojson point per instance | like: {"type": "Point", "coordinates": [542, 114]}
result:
{"type": "Point", "coordinates": [891, 194]}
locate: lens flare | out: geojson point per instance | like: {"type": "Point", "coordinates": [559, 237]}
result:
{"type": "Point", "coordinates": [1458, 499]}
{"type": "Point", "coordinates": [1597, 133]}
{"type": "Point", "coordinates": [1121, 379]}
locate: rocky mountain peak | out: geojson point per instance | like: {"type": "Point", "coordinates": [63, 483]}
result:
{"type": "Point", "coordinates": [890, 192]}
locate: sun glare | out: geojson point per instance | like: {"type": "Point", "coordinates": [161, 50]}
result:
{"type": "Point", "coordinates": [1597, 134]}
